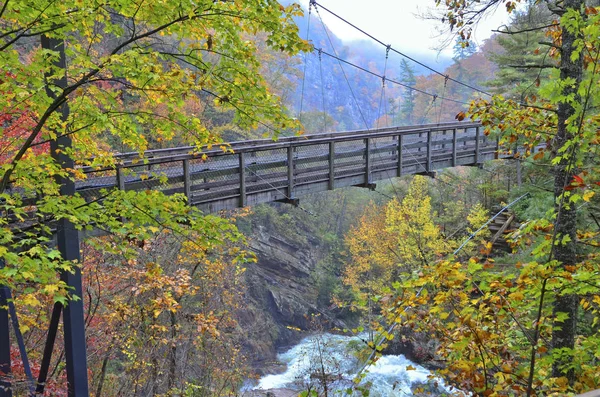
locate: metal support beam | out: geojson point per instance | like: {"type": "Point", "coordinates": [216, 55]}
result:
{"type": "Point", "coordinates": [187, 182]}
{"type": "Point", "coordinates": [242, 172]}
{"type": "Point", "coordinates": [290, 171]}
{"type": "Point", "coordinates": [48, 348]}
{"type": "Point", "coordinates": [5, 364]}
{"type": "Point", "coordinates": [19, 337]}
{"type": "Point", "coordinates": [67, 238]}
{"type": "Point", "coordinates": [331, 165]}
{"type": "Point", "coordinates": [400, 144]}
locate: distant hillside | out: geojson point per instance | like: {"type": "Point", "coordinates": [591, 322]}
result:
{"type": "Point", "coordinates": [353, 98]}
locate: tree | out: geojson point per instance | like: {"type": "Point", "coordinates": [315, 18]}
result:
{"type": "Point", "coordinates": [463, 50]}
{"type": "Point", "coordinates": [511, 330]}
{"type": "Point", "coordinates": [127, 55]}
{"type": "Point", "coordinates": [523, 63]}
{"type": "Point", "coordinates": [417, 240]}
{"type": "Point", "coordinates": [389, 243]}
{"type": "Point", "coordinates": [92, 77]}
{"type": "Point", "coordinates": [407, 107]}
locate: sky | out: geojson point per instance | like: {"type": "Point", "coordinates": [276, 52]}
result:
{"type": "Point", "coordinates": [398, 22]}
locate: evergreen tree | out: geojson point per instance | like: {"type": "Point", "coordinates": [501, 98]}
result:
{"type": "Point", "coordinates": [522, 64]}
{"type": "Point", "coordinates": [407, 77]}
{"type": "Point", "coordinates": [463, 50]}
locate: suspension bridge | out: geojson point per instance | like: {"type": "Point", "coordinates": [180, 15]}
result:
{"type": "Point", "coordinates": [248, 173]}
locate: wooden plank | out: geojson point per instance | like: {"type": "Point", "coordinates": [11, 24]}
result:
{"type": "Point", "coordinates": [502, 229]}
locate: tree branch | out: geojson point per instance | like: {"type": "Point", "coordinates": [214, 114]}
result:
{"type": "Point", "coordinates": [510, 32]}
{"type": "Point", "coordinates": [62, 98]}
{"type": "Point", "coordinates": [545, 66]}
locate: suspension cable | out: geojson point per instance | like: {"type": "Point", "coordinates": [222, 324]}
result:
{"type": "Point", "coordinates": [322, 93]}
{"type": "Point", "coordinates": [305, 58]}
{"type": "Point", "coordinates": [390, 80]}
{"type": "Point", "coordinates": [341, 67]}
{"type": "Point", "coordinates": [314, 2]}
{"type": "Point", "coordinates": [442, 100]}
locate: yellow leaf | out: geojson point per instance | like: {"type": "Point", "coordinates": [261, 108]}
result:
{"type": "Point", "coordinates": [588, 195]}
{"type": "Point", "coordinates": [518, 296]}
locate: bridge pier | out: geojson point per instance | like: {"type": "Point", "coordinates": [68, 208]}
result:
{"type": "Point", "coordinates": [67, 238]}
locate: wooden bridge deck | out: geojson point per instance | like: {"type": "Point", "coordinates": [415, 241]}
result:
{"type": "Point", "coordinates": [260, 171]}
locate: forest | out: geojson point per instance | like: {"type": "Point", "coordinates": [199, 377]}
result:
{"type": "Point", "coordinates": [481, 281]}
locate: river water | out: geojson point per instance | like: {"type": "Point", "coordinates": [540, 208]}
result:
{"type": "Point", "coordinates": [335, 356]}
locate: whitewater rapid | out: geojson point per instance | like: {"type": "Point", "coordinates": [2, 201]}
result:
{"type": "Point", "coordinates": [335, 355]}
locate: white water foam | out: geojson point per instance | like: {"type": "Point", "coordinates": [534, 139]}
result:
{"type": "Point", "coordinates": [388, 377]}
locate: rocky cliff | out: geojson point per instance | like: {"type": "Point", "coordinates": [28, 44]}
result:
{"type": "Point", "coordinates": [281, 293]}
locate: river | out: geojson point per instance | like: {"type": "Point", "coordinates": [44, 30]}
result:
{"type": "Point", "coordinates": [330, 361]}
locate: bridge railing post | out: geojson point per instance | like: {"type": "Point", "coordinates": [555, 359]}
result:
{"type": "Point", "coordinates": [290, 171]}
{"type": "Point", "coordinates": [454, 147]}
{"type": "Point", "coordinates": [429, 139]}
{"type": "Point", "coordinates": [242, 172]}
{"type": "Point", "coordinates": [497, 152]}
{"type": "Point", "coordinates": [477, 135]}
{"type": "Point", "coordinates": [120, 178]}
{"type": "Point", "coordinates": [187, 182]}
{"type": "Point", "coordinates": [367, 161]}
{"type": "Point", "coordinates": [400, 144]}
{"type": "Point", "coordinates": [331, 165]}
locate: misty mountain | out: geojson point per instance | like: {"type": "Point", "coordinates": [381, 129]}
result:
{"type": "Point", "coordinates": [354, 98]}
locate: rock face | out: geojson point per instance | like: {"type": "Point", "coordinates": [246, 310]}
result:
{"type": "Point", "coordinates": [416, 346]}
{"type": "Point", "coordinates": [281, 294]}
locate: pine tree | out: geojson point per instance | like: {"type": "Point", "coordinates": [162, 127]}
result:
{"type": "Point", "coordinates": [407, 77]}
{"type": "Point", "coordinates": [522, 63]}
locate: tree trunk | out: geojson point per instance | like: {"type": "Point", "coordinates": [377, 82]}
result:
{"type": "Point", "coordinates": [563, 334]}
{"type": "Point", "coordinates": [173, 361]}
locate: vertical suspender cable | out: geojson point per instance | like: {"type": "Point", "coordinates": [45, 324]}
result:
{"type": "Point", "coordinates": [305, 62]}
{"type": "Point", "coordinates": [322, 92]}
{"type": "Point", "coordinates": [387, 54]}
{"type": "Point", "coordinates": [341, 67]}
{"type": "Point", "coordinates": [442, 99]}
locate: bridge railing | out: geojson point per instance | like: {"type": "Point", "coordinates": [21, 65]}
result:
{"type": "Point", "coordinates": [252, 172]}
